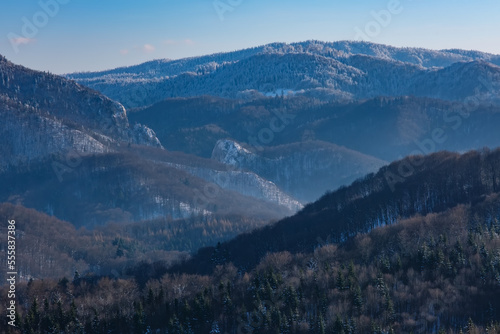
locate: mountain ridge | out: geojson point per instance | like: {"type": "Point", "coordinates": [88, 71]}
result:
{"type": "Point", "coordinates": [221, 74]}
{"type": "Point", "coordinates": [58, 129]}
{"type": "Point", "coordinates": [333, 70]}
{"type": "Point", "coordinates": [344, 46]}
{"type": "Point", "coordinates": [45, 114]}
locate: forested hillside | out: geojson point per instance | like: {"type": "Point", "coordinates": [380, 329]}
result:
{"type": "Point", "coordinates": [329, 70]}
{"type": "Point", "coordinates": [414, 185]}
{"type": "Point", "coordinates": [70, 151]}
{"type": "Point", "coordinates": [318, 146]}
{"type": "Point", "coordinates": [51, 248]}
{"type": "Point", "coordinates": [432, 273]}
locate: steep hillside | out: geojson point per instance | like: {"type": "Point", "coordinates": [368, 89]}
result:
{"type": "Point", "coordinates": [305, 169]}
{"type": "Point", "coordinates": [56, 134]}
{"type": "Point", "coordinates": [459, 80]}
{"type": "Point", "coordinates": [415, 185]}
{"type": "Point", "coordinates": [51, 248]}
{"type": "Point", "coordinates": [134, 185]}
{"type": "Point", "coordinates": [43, 114]}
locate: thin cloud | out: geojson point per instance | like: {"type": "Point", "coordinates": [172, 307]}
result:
{"type": "Point", "coordinates": [188, 42]}
{"type": "Point", "coordinates": [124, 52]}
{"type": "Point", "coordinates": [148, 48]}
{"type": "Point", "coordinates": [22, 40]}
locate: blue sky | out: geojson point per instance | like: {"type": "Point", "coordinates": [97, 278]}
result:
{"type": "Point", "coordinates": [88, 35]}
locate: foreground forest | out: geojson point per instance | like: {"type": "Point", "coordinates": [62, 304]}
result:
{"type": "Point", "coordinates": [412, 253]}
{"type": "Point", "coordinates": [433, 273]}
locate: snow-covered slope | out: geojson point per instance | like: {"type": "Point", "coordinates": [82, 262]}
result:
{"type": "Point", "coordinates": [244, 182]}
{"type": "Point", "coordinates": [338, 70]}
{"type": "Point", "coordinates": [44, 114]}
{"type": "Point", "coordinates": [305, 170]}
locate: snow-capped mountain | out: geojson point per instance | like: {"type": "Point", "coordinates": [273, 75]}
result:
{"type": "Point", "coordinates": [337, 70]}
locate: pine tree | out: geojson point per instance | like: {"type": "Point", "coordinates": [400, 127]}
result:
{"type": "Point", "coordinates": [215, 328]}
{"type": "Point", "coordinates": [471, 328]}
{"type": "Point", "coordinates": [338, 326]}
{"type": "Point", "coordinates": [357, 298]}
{"type": "Point", "coordinates": [60, 319]}
{"type": "Point", "coordinates": [340, 281]}
{"type": "Point", "coordinates": [321, 325]}
{"type": "Point", "coordinates": [46, 324]}
{"type": "Point", "coordinates": [139, 324]}
{"type": "Point", "coordinates": [33, 320]}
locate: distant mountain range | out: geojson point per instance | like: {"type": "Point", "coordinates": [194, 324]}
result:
{"type": "Point", "coordinates": [333, 71]}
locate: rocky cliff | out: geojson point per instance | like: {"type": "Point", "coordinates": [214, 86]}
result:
{"type": "Point", "coordinates": [300, 169]}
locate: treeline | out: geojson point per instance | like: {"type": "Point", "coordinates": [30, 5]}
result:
{"type": "Point", "coordinates": [438, 273]}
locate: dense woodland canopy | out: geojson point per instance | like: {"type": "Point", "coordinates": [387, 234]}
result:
{"type": "Point", "coordinates": [423, 257]}
{"type": "Point", "coordinates": [128, 186]}
{"type": "Point", "coordinates": [352, 139]}
{"type": "Point", "coordinates": [51, 248]}
{"type": "Point", "coordinates": [433, 273]}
